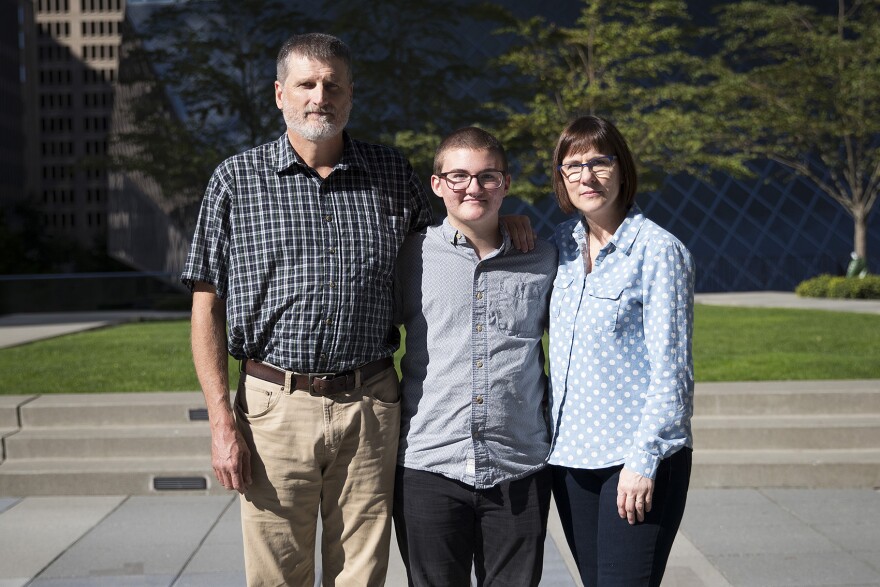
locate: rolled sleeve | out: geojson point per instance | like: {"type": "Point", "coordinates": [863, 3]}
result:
{"type": "Point", "coordinates": [664, 428]}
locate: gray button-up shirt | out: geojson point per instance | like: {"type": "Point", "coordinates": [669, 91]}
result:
{"type": "Point", "coordinates": [473, 382]}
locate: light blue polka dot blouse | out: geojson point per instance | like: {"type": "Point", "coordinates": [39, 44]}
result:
{"type": "Point", "coordinates": [621, 368]}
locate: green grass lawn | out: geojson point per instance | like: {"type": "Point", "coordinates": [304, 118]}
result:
{"type": "Point", "coordinates": [730, 344]}
{"type": "Point", "coordinates": [759, 344]}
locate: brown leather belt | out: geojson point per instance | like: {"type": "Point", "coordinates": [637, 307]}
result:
{"type": "Point", "coordinates": [320, 383]}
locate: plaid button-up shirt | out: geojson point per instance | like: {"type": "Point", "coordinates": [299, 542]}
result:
{"type": "Point", "coordinates": [306, 264]}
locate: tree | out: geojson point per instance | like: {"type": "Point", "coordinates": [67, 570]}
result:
{"type": "Point", "coordinates": [802, 88]}
{"type": "Point", "coordinates": [198, 77]}
{"type": "Point", "coordinates": [631, 61]}
{"type": "Point", "coordinates": [414, 75]}
{"type": "Point", "coordinates": [202, 80]}
{"type": "Point", "coordinates": [404, 63]}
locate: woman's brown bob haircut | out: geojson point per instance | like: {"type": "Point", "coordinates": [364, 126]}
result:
{"type": "Point", "coordinates": [593, 132]}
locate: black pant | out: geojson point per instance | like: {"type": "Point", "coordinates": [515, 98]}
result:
{"type": "Point", "coordinates": [443, 526]}
{"type": "Point", "coordinates": [607, 549]}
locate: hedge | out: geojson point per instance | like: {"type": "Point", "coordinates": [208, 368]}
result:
{"type": "Point", "coordinates": [832, 286]}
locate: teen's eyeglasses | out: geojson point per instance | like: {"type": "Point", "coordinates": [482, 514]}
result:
{"type": "Point", "coordinates": [460, 180]}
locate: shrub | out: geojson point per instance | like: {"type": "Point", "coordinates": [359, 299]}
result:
{"type": "Point", "coordinates": [830, 286]}
{"type": "Point", "coordinates": [816, 287]}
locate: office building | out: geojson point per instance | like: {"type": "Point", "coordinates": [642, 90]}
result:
{"type": "Point", "coordinates": [71, 51]}
{"type": "Point", "coordinates": [12, 176]}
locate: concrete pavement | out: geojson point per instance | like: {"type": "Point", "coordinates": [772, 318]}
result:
{"type": "Point", "coordinates": [770, 537]}
{"type": "Point", "coordinates": [728, 536]}
{"type": "Point", "coordinates": [783, 299]}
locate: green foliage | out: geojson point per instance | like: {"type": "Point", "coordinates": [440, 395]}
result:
{"type": "Point", "coordinates": [801, 85]}
{"type": "Point", "coordinates": [815, 287]}
{"type": "Point", "coordinates": [787, 81]}
{"type": "Point", "coordinates": [630, 61]}
{"type": "Point", "coordinates": [410, 65]}
{"type": "Point", "coordinates": [829, 286]}
{"type": "Point", "coordinates": [200, 80]}
{"type": "Point", "coordinates": [217, 59]}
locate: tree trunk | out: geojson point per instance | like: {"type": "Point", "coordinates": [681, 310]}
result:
{"type": "Point", "coordinates": [860, 235]}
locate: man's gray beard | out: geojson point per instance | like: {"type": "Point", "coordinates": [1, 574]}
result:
{"type": "Point", "coordinates": [321, 131]}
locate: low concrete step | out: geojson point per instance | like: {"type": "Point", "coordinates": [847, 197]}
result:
{"type": "Point", "coordinates": [4, 434]}
{"type": "Point", "coordinates": [860, 431]}
{"type": "Point", "coordinates": [112, 409]}
{"type": "Point", "coordinates": [857, 396]}
{"type": "Point", "coordinates": [191, 439]}
{"type": "Point", "coordinates": [117, 476]}
{"type": "Point", "coordinates": [777, 434]}
{"type": "Point", "coordinates": [9, 406]}
{"type": "Point", "coordinates": [786, 468]}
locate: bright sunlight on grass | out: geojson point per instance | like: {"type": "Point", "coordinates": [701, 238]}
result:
{"type": "Point", "coordinates": [146, 356]}
{"type": "Point", "coordinates": [730, 344]}
{"type": "Point", "coordinates": [759, 344]}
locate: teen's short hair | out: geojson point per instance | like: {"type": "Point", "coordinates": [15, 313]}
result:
{"type": "Point", "coordinates": [472, 138]}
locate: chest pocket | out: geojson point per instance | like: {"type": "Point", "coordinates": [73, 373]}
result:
{"type": "Point", "coordinates": [520, 308]}
{"type": "Point", "coordinates": [604, 307]}
{"type": "Point", "coordinates": [562, 294]}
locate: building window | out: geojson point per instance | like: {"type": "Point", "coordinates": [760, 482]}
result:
{"type": "Point", "coordinates": [53, 6]}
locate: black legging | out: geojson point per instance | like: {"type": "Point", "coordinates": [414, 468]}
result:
{"type": "Point", "coordinates": [607, 549]}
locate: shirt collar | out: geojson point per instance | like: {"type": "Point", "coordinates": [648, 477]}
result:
{"type": "Point", "coordinates": [286, 156]}
{"type": "Point", "coordinates": [453, 237]}
{"type": "Point", "coordinates": [625, 235]}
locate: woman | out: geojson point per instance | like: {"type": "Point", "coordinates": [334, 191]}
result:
{"type": "Point", "coordinates": [621, 321]}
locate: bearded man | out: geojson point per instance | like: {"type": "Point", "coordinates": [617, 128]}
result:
{"type": "Point", "coordinates": [292, 268]}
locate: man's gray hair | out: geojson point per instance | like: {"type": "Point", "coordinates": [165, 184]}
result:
{"type": "Point", "coordinates": [317, 46]}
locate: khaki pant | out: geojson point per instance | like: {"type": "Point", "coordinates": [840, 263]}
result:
{"type": "Point", "coordinates": [309, 453]}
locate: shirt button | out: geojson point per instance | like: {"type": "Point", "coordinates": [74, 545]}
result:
{"type": "Point", "coordinates": [479, 295]}
{"type": "Point", "coordinates": [479, 364]}
{"type": "Point", "coordinates": [328, 321]}
{"type": "Point", "coordinates": [479, 328]}
{"type": "Point", "coordinates": [323, 355]}
{"type": "Point", "coordinates": [328, 217]}
{"type": "Point", "coordinates": [332, 250]}
{"type": "Point", "coordinates": [331, 284]}
{"type": "Point", "coordinates": [478, 399]}
{"type": "Point", "coordinates": [476, 434]}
